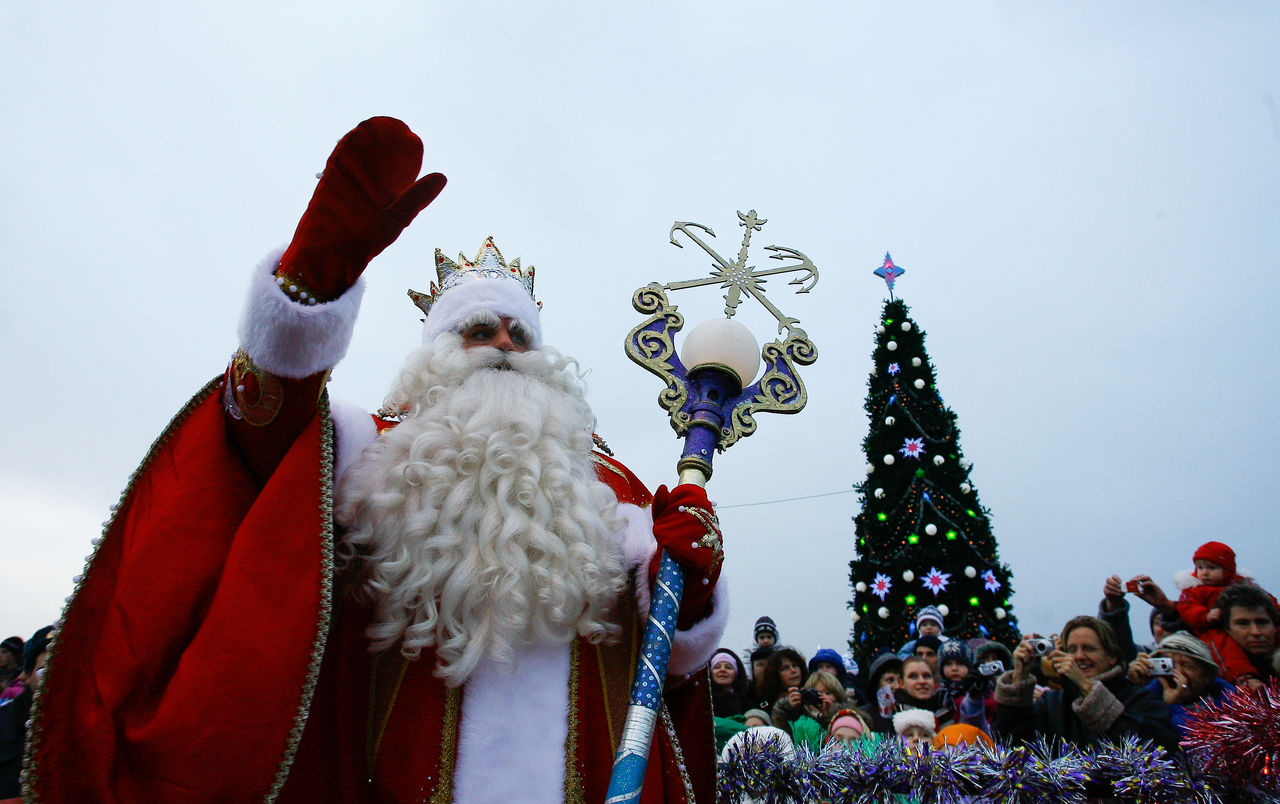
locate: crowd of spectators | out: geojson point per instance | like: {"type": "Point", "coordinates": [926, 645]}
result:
{"type": "Point", "coordinates": [1087, 682]}
{"type": "Point", "coordinates": [21, 669]}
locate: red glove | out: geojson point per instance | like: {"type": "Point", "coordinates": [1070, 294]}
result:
{"type": "Point", "coordinates": [687, 528]}
{"type": "Point", "coordinates": [368, 194]}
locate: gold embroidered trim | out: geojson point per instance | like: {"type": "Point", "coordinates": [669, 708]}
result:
{"type": "Point", "coordinates": [448, 747]}
{"type": "Point", "coordinates": [675, 747]}
{"type": "Point", "coordinates": [30, 772]}
{"type": "Point", "coordinates": [600, 459]}
{"type": "Point", "coordinates": [326, 598]}
{"type": "Point", "coordinates": [295, 290]}
{"type": "Point", "coordinates": [573, 792]}
{"type": "Point", "coordinates": [254, 394]}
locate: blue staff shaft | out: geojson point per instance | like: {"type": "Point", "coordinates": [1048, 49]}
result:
{"type": "Point", "coordinates": [651, 673]}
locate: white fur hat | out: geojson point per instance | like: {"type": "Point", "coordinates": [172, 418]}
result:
{"type": "Point", "coordinates": [907, 718]}
{"type": "Point", "coordinates": [487, 284]}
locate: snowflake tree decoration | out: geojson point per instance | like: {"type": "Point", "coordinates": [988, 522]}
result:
{"type": "Point", "coordinates": [881, 585]}
{"type": "Point", "coordinates": [894, 368]}
{"type": "Point", "coordinates": [936, 581]}
{"type": "Point", "coordinates": [912, 448]}
{"type": "Point", "coordinates": [989, 581]}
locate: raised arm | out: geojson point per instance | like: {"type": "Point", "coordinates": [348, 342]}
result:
{"type": "Point", "coordinates": [302, 305]}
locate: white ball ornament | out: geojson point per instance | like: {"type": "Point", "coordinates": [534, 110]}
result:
{"type": "Point", "coordinates": [970, 572]}
{"type": "Point", "coordinates": [964, 463]}
{"type": "Point", "coordinates": [890, 421]}
{"type": "Point", "coordinates": [908, 576]}
{"type": "Point", "coordinates": [883, 612]}
{"type": "Point", "coordinates": [915, 361]}
{"type": "Point", "coordinates": [888, 460]}
{"type": "Point", "coordinates": [938, 460]}
{"type": "Point", "coordinates": [918, 384]}
{"type": "Point", "coordinates": [879, 494]}
{"type": "Point", "coordinates": [892, 346]}
{"type": "Point", "coordinates": [999, 612]}
{"type": "Point", "coordinates": [931, 529]}
{"type": "Point", "coordinates": [944, 609]}
{"type": "Point", "coordinates": [965, 488]}
{"type": "Point", "coordinates": [871, 467]}
{"type": "Point", "coordinates": [906, 326]}
{"type": "Point", "coordinates": [853, 615]}
{"type": "Point", "coordinates": [880, 329]}
{"type": "Point", "coordinates": [861, 587]}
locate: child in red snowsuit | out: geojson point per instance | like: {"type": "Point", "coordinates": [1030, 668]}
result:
{"type": "Point", "coordinates": [1215, 570]}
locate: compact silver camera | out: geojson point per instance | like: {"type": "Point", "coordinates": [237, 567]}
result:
{"type": "Point", "coordinates": [1041, 647]}
{"type": "Point", "coordinates": [990, 669]}
{"type": "Point", "coordinates": [1161, 666]}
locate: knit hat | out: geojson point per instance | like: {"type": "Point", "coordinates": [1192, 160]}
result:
{"type": "Point", "coordinates": [831, 657]}
{"type": "Point", "coordinates": [961, 733]}
{"type": "Point", "coordinates": [36, 645]}
{"type": "Point", "coordinates": [1187, 645]}
{"type": "Point", "coordinates": [930, 613]}
{"type": "Point", "coordinates": [1218, 553]}
{"type": "Point", "coordinates": [766, 625]}
{"type": "Point", "coordinates": [724, 656]}
{"type": "Point", "coordinates": [882, 664]}
{"type": "Point", "coordinates": [930, 641]}
{"type": "Point", "coordinates": [14, 645]}
{"type": "Point", "coordinates": [955, 650]}
{"type": "Point", "coordinates": [845, 719]}
{"type": "Point", "coordinates": [760, 713]}
{"type": "Point", "coordinates": [907, 718]}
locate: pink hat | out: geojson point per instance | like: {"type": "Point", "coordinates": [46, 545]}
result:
{"type": "Point", "coordinates": [846, 722]}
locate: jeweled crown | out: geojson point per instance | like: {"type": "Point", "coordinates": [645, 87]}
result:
{"type": "Point", "coordinates": [488, 264]}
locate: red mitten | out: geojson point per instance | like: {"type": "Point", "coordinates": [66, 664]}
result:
{"type": "Point", "coordinates": [368, 194]}
{"type": "Point", "coordinates": [687, 528]}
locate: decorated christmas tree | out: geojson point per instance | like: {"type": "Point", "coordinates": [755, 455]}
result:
{"type": "Point", "coordinates": [923, 537]}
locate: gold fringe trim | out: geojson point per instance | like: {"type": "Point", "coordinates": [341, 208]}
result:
{"type": "Point", "coordinates": [573, 792]}
{"type": "Point", "coordinates": [448, 747]}
{"type": "Point", "coordinates": [326, 598]}
{"type": "Point", "coordinates": [30, 772]}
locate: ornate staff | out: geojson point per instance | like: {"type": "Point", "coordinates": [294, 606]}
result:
{"type": "Point", "coordinates": [712, 406]}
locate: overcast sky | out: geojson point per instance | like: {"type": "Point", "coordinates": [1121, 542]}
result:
{"type": "Point", "coordinates": [1086, 199]}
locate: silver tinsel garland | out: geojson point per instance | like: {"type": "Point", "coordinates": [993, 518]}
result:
{"type": "Point", "coordinates": [1043, 771]}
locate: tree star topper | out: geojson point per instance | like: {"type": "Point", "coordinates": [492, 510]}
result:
{"type": "Point", "coordinates": [889, 272]}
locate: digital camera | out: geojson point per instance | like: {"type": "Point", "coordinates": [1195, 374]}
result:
{"type": "Point", "coordinates": [1161, 666]}
{"type": "Point", "coordinates": [810, 697]}
{"type": "Point", "coordinates": [1041, 647]}
{"type": "Point", "coordinates": [991, 669]}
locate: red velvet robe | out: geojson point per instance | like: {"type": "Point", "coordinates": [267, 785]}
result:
{"type": "Point", "coordinates": [211, 654]}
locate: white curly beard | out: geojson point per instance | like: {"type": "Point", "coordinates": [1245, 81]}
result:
{"type": "Point", "coordinates": [479, 520]}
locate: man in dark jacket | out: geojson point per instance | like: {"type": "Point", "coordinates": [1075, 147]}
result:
{"type": "Point", "coordinates": [1096, 700]}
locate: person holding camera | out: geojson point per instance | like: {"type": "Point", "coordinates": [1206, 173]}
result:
{"type": "Point", "coordinates": [1114, 611]}
{"type": "Point", "coordinates": [806, 712]}
{"type": "Point", "coordinates": [1181, 670]}
{"type": "Point", "coordinates": [1096, 699]}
